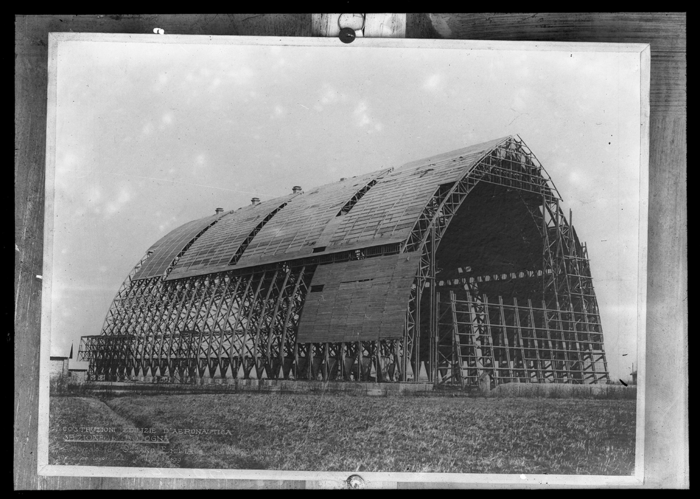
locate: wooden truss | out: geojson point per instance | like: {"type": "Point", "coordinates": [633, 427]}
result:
{"type": "Point", "coordinates": [243, 323]}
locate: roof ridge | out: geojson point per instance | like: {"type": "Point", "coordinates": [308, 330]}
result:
{"type": "Point", "coordinates": [481, 146]}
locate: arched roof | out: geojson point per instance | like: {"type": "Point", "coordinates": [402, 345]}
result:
{"type": "Point", "coordinates": [374, 209]}
{"type": "Point", "coordinates": [358, 256]}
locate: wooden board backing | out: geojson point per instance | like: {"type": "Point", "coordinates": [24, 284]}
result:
{"type": "Point", "coordinates": [666, 435]}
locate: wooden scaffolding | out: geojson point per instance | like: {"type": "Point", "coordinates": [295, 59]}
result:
{"type": "Point", "coordinates": [440, 300]}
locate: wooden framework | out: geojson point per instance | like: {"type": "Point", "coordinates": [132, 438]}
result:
{"type": "Point", "coordinates": [244, 322]}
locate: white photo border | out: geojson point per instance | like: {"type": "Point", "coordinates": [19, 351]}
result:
{"type": "Point", "coordinates": [337, 479]}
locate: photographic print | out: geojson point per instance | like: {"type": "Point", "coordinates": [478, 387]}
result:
{"type": "Point", "coordinates": [391, 256]}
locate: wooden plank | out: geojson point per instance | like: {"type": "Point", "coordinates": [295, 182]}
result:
{"type": "Point", "coordinates": [552, 349]}
{"type": "Point", "coordinates": [519, 337]}
{"type": "Point", "coordinates": [456, 349]}
{"type": "Point", "coordinates": [375, 25]}
{"type": "Point", "coordinates": [504, 335]}
{"type": "Point", "coordinates": [495, 365]}
{"type": "Point", "coordinates": [533, 325]}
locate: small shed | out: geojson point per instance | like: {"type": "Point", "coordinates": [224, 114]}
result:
{"type": "Point", "coordinates": [58, 367]}
{"type": "Point", "coordinates": [77, 372]}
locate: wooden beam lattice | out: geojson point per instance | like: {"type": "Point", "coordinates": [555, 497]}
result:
{"type": "Point", "coordinates": [512, 349]}
{"type": "Point", "coordinates": [244, 322]}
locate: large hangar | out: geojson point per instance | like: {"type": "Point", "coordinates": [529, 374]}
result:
{"type": "Point", "coordinates": [446, 269]}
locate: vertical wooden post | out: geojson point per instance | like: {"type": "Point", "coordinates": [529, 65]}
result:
{"type": "Point", "coordinates": [296, 361]}
{"type": "Point", "coordinates": [416, 331]}
{"type": "Point", "coordinates": [326, 362]}
{"type": "Point", "coordinates": [455, 341]}
{"type": "Point", "coordinates": [590, 352]}
{"type": "Point", "coordinates": [437, 337]}
{"type": "Point", "coordinates": [553, 355]}
{"type": "Point", "coordinates": [432, 365]}
{"type": "Point", "coordinates": [341, 369]}
{"type": "Point", "coordinates": [405, 361]}
{"type": "Point", "coordinates": [564, 343]}
{"type": "Point", "coordinates": [476, 333]}
{"type": "Point", "coordinates": [533, 325]}
{"type": "Point", "coordinates": [504, 336]}
{"type": "Point", "coordinates": [397, 353]}
{"type": "Point", "coordinates": [310, 354]}
{"type": "Point", "coordinates": [487, 319]}
{"type": "Point", "coordinates": [377, 361]}
{"type": "Point", "coordinates": [523, 357]}
{"type": "Point", "coordinates": [574, 324]}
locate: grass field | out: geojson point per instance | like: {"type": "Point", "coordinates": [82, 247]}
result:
{"type": "Point", "coordinates": [347, 433]}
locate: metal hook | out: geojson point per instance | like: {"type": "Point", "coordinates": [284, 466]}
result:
{"type": "Point", "coordinates": [364, 18]}
{"type": "Point", "coordinates": [347, 35]}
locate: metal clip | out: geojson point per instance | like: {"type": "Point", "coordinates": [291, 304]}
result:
{"type": "Point", "coordinates": [355, 482]}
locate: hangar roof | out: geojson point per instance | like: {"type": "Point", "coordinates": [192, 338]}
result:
{"type": "Point", "coordinates": [374, 209]}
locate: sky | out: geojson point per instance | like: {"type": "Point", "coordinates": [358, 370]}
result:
{"type": "Point", "coordinates": [152, 135]}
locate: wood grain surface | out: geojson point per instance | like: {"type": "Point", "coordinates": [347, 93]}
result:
{"type": "Point", "coordinates": [666, 440]}
{"type": "Point", "coordinates": [375, 25]}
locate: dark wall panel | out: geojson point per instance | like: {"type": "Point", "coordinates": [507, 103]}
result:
{"type": "Point", "coordinates": [361, 300]}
